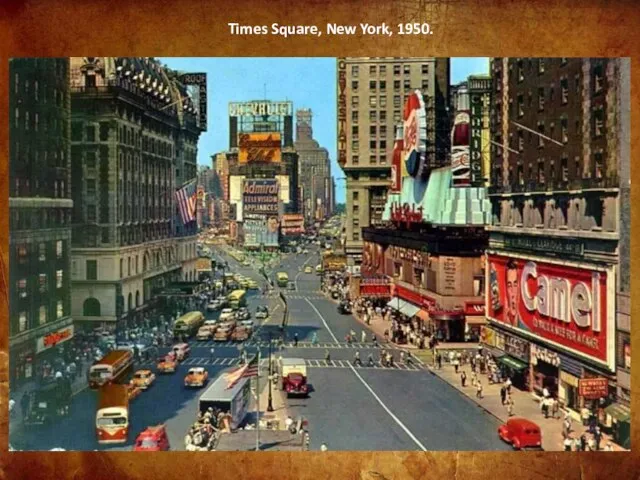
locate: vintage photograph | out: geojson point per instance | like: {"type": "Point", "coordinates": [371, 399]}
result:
{"type": "Point", "coordinates": [319, 254]}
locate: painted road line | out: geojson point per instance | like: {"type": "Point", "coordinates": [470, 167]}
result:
{"type": "Point", "coordinates": [323, 321]}
{"type": "Point", "coordinates": [396, 419]}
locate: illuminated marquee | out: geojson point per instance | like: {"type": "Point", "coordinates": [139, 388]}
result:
{"type": "Point", "coordinates": [254, 109]}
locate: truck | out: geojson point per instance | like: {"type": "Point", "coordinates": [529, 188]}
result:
{"type": "Point", "coordinates": [49, 402]}
{"type": "Point", "coordinates": [293, 372]}
{"type": "Point", "coordinates": [234, 401]}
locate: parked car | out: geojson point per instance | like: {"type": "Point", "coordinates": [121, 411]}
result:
{"type": "Point", "coordinates": [262, 312]}
{"type": "Point", "coordinates": [152, 439]}
{"type": "Point", "coordinates": [521, 434]}
{"type": "Point", "coordinates": [143, 379]}
{"type": "Point", "coordinates": [196, 377]}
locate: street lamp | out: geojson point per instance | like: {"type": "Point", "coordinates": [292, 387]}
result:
{"type": "Point", "coordinates": [270, 405]}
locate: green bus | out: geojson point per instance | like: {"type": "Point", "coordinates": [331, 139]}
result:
{"type": "Point", "coordinates": [237, 299]}
{"type": "Point", "coordinates": [188, 324]}
{"type": "Point", "coordinates": [282, 278]}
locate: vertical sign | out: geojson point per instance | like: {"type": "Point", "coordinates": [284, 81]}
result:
{"type": "Point", "coordinates": [475, 145]}
{"type": "Point", "coordinates": [342, 111]}
{"type": "Point", "coordinates": [199, 80]}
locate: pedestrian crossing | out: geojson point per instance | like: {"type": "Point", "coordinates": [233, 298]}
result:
{"type": "Point", "coordinates": [310, 363]}
{"type": "Point", "coordinates": [304, 297]}
{"type": "Point", "coordinates": [265, 344]}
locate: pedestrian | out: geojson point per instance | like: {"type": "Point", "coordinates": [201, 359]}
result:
{"type": "Point", "coordinates": [401, 357]}
{"type": "Point", "coordinates": [327, 356]}
{"type": "Point", "coordinates": [555, 407]}
{"type": "Point", "coordinates": [364, 337]}
{"type": "Point", "coordinates": [583, 442]}
{"type": "Point", "coordinates": [474, 377]}
{"type": "Point", "coordinates": [598, 438]}
{"type": "Point", "coordinates": [510, 404]}
{"type": "Point", "coordinates": [568, 443]}
{"type": "Point", "coordinates": [12, 404]}
{"type": "Point", "coordinates": [608, 447]}
{"type": "Point", "coordinates": [577, 444]}
{"type": "Point", "coordinates": [295, 339]}
{"type": "Point", "coordinates": [456, 364]}
{"type": "Point", "coordinates": [463, 378]}
{"type": "Point", "coordinates": [503, 394]}
{"type": "Point", "coordinates": [591, 444]}
{"type": "Point", "coordinates": [545, 393]}
{"type": "Point", "coordinates": [508, 384]}
{"type": "Point", "coordinates": [584, 415]}
{"type": "Point", "coordinates": [566, 427]}
{"type": "Point", "coordinates": [439, 360]}
{"type": "Point", "coordinates": [212, 351]}
{"type": "Point", "coordinates": [479, 389]}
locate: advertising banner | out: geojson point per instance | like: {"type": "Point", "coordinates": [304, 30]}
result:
{"type": "Point", "coordinates": [283, 180]}
{"type": "Point", "coordinates": [475, 142]}
{"type": "Point", "coordinates": [54, 338]}
{"type": "Point", "coordinates": [254, 109]}
{"type": "Point", "coordinates": [460, 163]}
{"type": "Point", "coordinates": [562, 304]}
{"type": "Point", "coordinates": [199, 80]}
{"type": "Point", "coordinates": [342, 112]}
{"type": "Point", "coordinates": [593, 388]}
{"type": "Point", "coordinates": [415, 135]}
{"type": "Point", "coordinates": [292, 224]}
{"type": "Point", "coordinates": [259, 147]}
{"type": "Point", "coordinates": [397, 165]}
{"type": "Point", "coordinates": [260, 197]}
{"type": "Point", "coordinates": [236, 184]}
{"type": "Point", "coordinates": [261, 230]}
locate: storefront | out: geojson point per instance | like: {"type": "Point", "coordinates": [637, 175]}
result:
{"type": "Point", "coordinates": [375, 287]}
{"type": "Point", "coordinates": [515, 363]}
{"type": "Point", "coordinates": [22, 362]}
{"type": "Point", "coordinates": [449, 325]}
{"type": "Point", "coordinates": [545, 370]}
{"type": "Point", "coordinates": [474, 320]}
{"type": "Point", "coordinates": [620, 416]}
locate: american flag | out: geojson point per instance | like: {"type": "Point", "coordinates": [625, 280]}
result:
{"type": "Point", "coordinates": [248, 370]}
{"type": "Point", "coordinates": [186, 198]}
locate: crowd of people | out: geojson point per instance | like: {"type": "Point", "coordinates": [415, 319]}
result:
{"type": "Point", "coordinates": [203, 433]}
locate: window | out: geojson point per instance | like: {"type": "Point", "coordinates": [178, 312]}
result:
{"type": "Point", "coordinates": [520, 140]}
{"type": "Point", "coordinates": [541, 99]}
{"type": "Point", "coordinates": [59, 309]}
{"type": "Point", "coordinates": [91, 213]}
{"type": "Point", "coordinates": [396, 69]}
{"type": "Point", "coordinates": [396, 84]}
{"type": "Point", "coordinates": [598, 122]}
{"type": "Point", "coordinates": [396, 101]}
{"type": "Point", "coordinates": [354, 130]}
{"type": "Point", "coordinates": [36, 120]}
{"type": "Point", "coordinates": [372, 85]}
{"type": "Point", "coordinates": [372, 69]}
{"type": "Point", "coordinates": [520, 106]}
{"type": "Point", "coordinates": [92, 269]}
{"type": "Point", "coordinates": [598, 79]}
{"type": "Point", "coordinates": [356, 222]}
{"type": "Point", "coordinates": [373, 101]}
{"type": "Point", "coordinates": [22, 321]}
{"type": "Point", "coordinates": [91, 160]}
{"type": "Point", "coordinates": [356, 210]}
{"type": "Point", "coordinates": [16, 83]}
{"type": "Point", "coordinates": [104, 131]}
{"type": "Point", "coordinates": [564, 130]}
{"type": "Point", "coordinates": [382, 160]}
{"type": "Point", "coordinates": [540, 138]}
{"type": "Point", "coordinates": [42, 282]}
{"type": "Point", "coordinates": [564, 89]}
{"type": "Point", "coordinates": [26, 121]}
{"type": "Point", "coordinates": [397, 269]}
{"type": "Point", "coordinates": [396, 116]}
{"type": "Point", "coordinates": [22, 288]}
{"type": "Point", "coordinates": [564, 169]}
{"type": "Point", "coordinates": [541, 65]}
{"type": "Point", "coordinates": [520, 71]}
{"type": "Point", "coordinates": [59, 249]}
{"type": "Point", "coordinates": [520, 175]}
{"type": "Point", "coordinates": [22, 253]}
{"type": "Point", "coordinates": [418, 277]}
{"type": "Point", "coordinates": [383, 102]}
{"type": "Point", "coordinates": [355, 70]}
{"type": "Point", "coordinates": [354, 85]}
{"type": "Point", "coordinates": [354, 116]}
{"type": "Point", "coordinates": [373, 130]}
{"type": "Point", "coordinates": [355, 145]}
{"type": "Point", "coordinates": [355, 101]}
{"type": "Point", "coordinates": [383, 131]}
{"type": "Point", "coordinates": [563, 61]}
{"type": "Point", "coordinates": [383, 86]}
{"type": "Point", "coordinates": [407, 85]}
{"type": "Point", "coordinates": [373, 159]}
{"type": "Point", "coordinates": [42, 252]}
{"type": "Point", "coordinates": [373, 116]}
{"type": "Point", "coordinates": [425, 84]}
{"type": "Point", "coordinates": [355, 196]}
{"type": "Point", "coordinates": [372, 145]}
{"type": "Point", "coordinates": [91, 187]}
{"type": "Point", "coordinates": [406, 69]}
{"type": "Point", "coordinates": [382, 70]}
{"type": "Point", "coordinates": [383, 144]}
{"type": "Point", "coordinates": [17, 124]}
{"type": "Point", "coordinates": [356, 235]}
{"type": "Point", "coordinates": [42, 315]}
{"type": "Point", "coordinates": [91, 133]}
{"type": "Point", "coordinates": [355, 160]}
{"type": "Point", "coordinates": [59, 277]}
{"type": "Point", "coordinates": [599, 164]}
{"type": "Point", "coordinates": [121, 267]}
{"type": "Point", "coordinates": [383, 116]}
{"type": "Point", "coordinates": [425, 69]}
{"type": "Point", "coordinates": [530, 97]}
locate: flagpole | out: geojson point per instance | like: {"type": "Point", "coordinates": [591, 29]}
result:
{"type": "Point", "coordinates": [258, 406]}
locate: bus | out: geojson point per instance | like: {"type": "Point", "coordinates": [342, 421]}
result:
{"type": "Point", "coordinates": [114, 367]}
{"type": "Point", "coordinates": [112, 416]}
{"type": "Point", "coordinates": [188, 324]}
{"type": "Point", "coordinates": [234, 400]}
{"type": "Point", "coordinates": [237, 299]}
{"type": "Point", "coordinates": [282, 278]}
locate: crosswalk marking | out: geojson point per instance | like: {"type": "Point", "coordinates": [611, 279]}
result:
{"type": "Point", "coordinates": [264, 343]}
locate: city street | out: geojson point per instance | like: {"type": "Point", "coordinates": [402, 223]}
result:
{"type": "Point", "coordinates": [349, 408]}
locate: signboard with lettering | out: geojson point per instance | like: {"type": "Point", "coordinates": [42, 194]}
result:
{"type": "Point", "coordinates": [397, 165]}
{"type": "Point", "coordinates": [566, 305]}
{"type": "Point", "coordinates": [560, 246]}
{"type": "Point", "coordinates": [199, 80]}
{"type": "Point", "coordinates": [415, 135]}
{"type": "Point", "coordinates": [475, 142]}
{"type": "Point", "coordinates": [450, 275]}
{"type": "Point", "coordinates": [54, 338]}
{"type": "Point", "coordinates": [260, 230]}
{"type": "Point", "coordinates": [260, 108]}
{"type": "Point", "coordinates": [487, 336]}
{"type": "Point", "coordinates": [259, 147]}
{"type": "Point", "coordinates": [342, 111]}
{"type": "Point", "coordinates": [593, 388]}
{"type": "Point", "coordinates": [517, 347]}
{"type": "Point", "coordinates": [292, 223]}
{"type": "Point", "coordinates": [474, 308]}
{"type": "Point", "coordinates": [260, 196]}
{"type": "Point", "coordinates": [460, 163]}
{"type": "Point", "coordinates": [407, 214]}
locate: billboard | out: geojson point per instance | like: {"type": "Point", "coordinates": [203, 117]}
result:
{"type": "Point", "coordinates": [236, 185]}
{"type": "Point", "coordinates": [342, 112]}
{"type": "Point", "coordinates": [199, 80]}
{"type": "Point", "coordinates": [260, 108]}
{"type": "Point", "coordinates": [460, 163]}
{"type": "Point", "coordinates": [261, 230]}
{"type": "Point", "coordinates": [259, 147]}
{"type": "Point", "coordinates": [260, 197]}
{"type": "Point", "coordinates": [475, 142]}
{"type": "Point", "coordinates": [292, 224]}
{"type": "Point", "coordinates": [567, 305]}
{"type": "Point", "coordinates": [398, 169]}
{"type": "Point", "coordinates": [415, 135]}
{"type": "Point", "coordinates": [285, 196]}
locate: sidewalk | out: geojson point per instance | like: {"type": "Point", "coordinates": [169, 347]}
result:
{"type": "Point", "coordinates": [525, 403]}
{"type": "Point", "coordinates": [280, 413]}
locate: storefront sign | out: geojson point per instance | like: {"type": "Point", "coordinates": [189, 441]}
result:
{"type": "Point", "coordinates": [517, 347]}
{"type": "Point", "coordinates": [538, 353]}
{"type": "Point", "coordinates": [261, 230]}
{"type": "Point", "coordinates": [407, 214]}
{"type": "Point", "coordinates": [474, 308]}
{"type": "Point", "coordinates": [450, 275]}
{"type": "Point", "coordinates": [560, 246]}
{"type": "Point", "coordinates": [260, 197]}
{"type": "Point", "coordinates": [342, 112]}
{"type": "Point", "coordinates": [424, 302]}
{"type": "Point", "coordinates": [487, 336]}
{"type": "Point", "coordinates": [415, 135]}
{"type": "Point", "coordinates": [500, 341]}
{"type": "Point", "coordinates": [259, 147]}
{"type": "Point", "coordinates": [375, 290]}
{"type": "Point", "coordinates": [54, 338]}
{"type": "Point", "coordinates": [254, 109]}
{"type": "Point", "coordinates": [475, 142]}
{"type": "Point", "coordinates": [199, 80]}
{"type": "Point", "coordinates": [593, 388]}
{"type": "Point", "coordinates": [564, 305]}
{"type": "Point", "coordinates": [569, 379]}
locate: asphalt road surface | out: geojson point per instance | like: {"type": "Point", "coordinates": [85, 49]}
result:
{"type": "Point", "coordinates": [349, 407]}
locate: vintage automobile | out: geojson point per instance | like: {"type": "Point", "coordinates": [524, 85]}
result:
{"type": "Point", "coordinates": [134, 391]}
{"type": "Point", "coordinates": [252, 285]}
{"type": "Point", "coordinates": [308, 269]}
{"type": "Point", "coordinates": [182, 351]}
{"type": "Point", "coordinates": [206, 332]}
{"type": "Point", "coordinates": [214, 306]}
{"type": "Point", "coordinates": [293, 372]}
{"type": "Point", "coordinates": [344, 308]}
{"type": "Point", "coordinates": [291, 286]}
{"type": "Point", "coordinates": [143, 379]}
{"type": "Point", "coordinates": [243, 314]}
{"type": "Point", "coordinates": [224, 331]}
{"type": "Point", "coordinates": [227, 314]}
{"type": "Point", "coordinates": [49, 402]}
{"type": "Point", "coordinates": [240, 333]}
{"type": "Point", "coordinates": [196, 377]}
{"type": "Point", "coordinates": [153, 439]}
{"type": "Point", "coordinates": [262, 312]}
{"type": "Point", "coordinates": [167, 364]}
{"type": "Point", "coordinates": [521, 434]}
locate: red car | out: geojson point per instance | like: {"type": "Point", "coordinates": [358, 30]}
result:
{"type": "Point", "coordinates": [521, 433]}
{"type": "Point", "coordinates": [153, 439]}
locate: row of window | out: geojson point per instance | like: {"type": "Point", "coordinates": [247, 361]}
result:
{"type": "Point", "coordinates": [25, 323]}
{"type": "Point", "coordinates": [597, 72]}
{"type": "Point", "coordinates": [381, 70]}
{"type": "Point", "coordinates": [42, 284]}
{"type": "Point", "coordinates": [37, 219]}
{"type": "Point", "coordinates": [377, 116]}
{"type": "Point", "coordinates": [28, 87]}
{"type": "Point", "coordinates": [33, 121]}
{"type": "Point", "coordinates": [24, 187]}
{"type": "Point", "coordinates": [373, 145]}
{"type": "Point", "coordinates": [380, 102]}
{"type": "Point", "coordinates": [381, 86]}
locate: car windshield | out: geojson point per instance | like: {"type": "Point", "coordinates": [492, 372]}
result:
{"type": "Point", "coordinates": [99, 372]}
{"type": "Point", "coordinates": [111, 421]}
{"type": "Point", "coordinates": [142, 375]}
{"type": "Point", "coordinates": [147, 443]}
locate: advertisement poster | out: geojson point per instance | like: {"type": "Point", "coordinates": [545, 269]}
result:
{"type": "Point", "coordinates": [292, 224]}
{"type": "Point", "coordinates": [261, 230]}
{"type": "Point", "coordinates": [563, 304]}
{"type": "Point", "coordinates": [415, 135]}
{"type": "Point", "coordinates": [259, 147]}
{"type": "Point", "coordinates": [260, 197]}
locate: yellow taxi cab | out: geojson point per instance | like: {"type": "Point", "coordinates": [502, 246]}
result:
{"type": "Point", "coordinates": [252, 285]}
{"type": "Point", "coordinates": [308, 269]}
{"type": "Point", "coordinates": [167, 364]}
{"type": "Point", "coordinates": [196, 377]}
{"type": "Point", "coordinates": [143, 379]}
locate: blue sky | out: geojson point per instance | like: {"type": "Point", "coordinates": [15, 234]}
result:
{"type": "Point", "coordinates": [307, 82]}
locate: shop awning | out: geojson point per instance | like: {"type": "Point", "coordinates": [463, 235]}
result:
{"type": "Point", "coordinates": [512, 362]}
{"type": "Point", "coordinates": [475, 320]}
{"type": "Point", "coordinates": [620, 412]}
{"type": "Point", "coordinates": [495, 353]}
{"type": "Point", "coordinates": [423, 315]}
{"type": "Point", "coordinates": [409, 309]}
{"type": "Point", "coordinates": [396, 304]}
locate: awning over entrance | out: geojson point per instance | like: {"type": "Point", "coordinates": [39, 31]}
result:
{"type": "Point", "coordinates": [423, 315]}
{"type": "Point", "coordinates": [410, 309]}
{"type": "Point", "coordinates": [512, 362]}
{"type": "Point", "coordinates": [475, 320]}
{"type": "Point", "coordinates": [403, 307]}
{"type": "Point", "coordinates": [620, 412]}
{"type": "Point", "coordinates": [396, 304]}
{"type": "Point", "coordinates": [496, 353]}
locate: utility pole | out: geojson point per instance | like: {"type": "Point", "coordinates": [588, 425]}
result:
{"type": "Point", "coordinates": [270, 406]}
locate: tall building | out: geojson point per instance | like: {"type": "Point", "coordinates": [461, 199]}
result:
{"type": "Point", "coordinates": [314, 168]}
{"type": "Point", "coordinates": [371, 95]}
{"type": "Point", "coordinates": [134, 135]}
{"type": "Point", "coordinates": [221, 166]}
{"type": "Point", "coordinates": [559, 180]}
{"type": "Point", "coordinates": [40, 207]}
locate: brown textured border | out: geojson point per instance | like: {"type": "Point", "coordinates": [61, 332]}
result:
{"type": "Point", "coordinates": [198, 28]}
